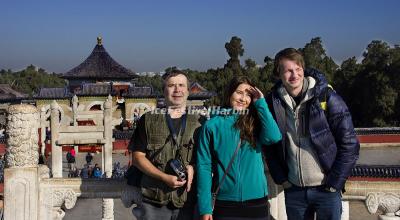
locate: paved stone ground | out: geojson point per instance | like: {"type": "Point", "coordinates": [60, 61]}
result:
{"type": "Point", "coordinates": [91, 209]}
{"type": "Point", "coordinates": [358, 211]}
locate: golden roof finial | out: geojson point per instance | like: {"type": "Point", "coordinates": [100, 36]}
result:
{"type": "Point", "coordinates": [99, 41]}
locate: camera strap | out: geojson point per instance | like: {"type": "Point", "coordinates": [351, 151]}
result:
{"type": "Point", "coordinates": [173, 133]}
{"type": "Point", "coordinates": [214, 194]}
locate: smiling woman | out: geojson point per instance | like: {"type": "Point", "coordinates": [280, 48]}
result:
{"type": "Point", "coordinates": [229, 149]}
{"type": "Point", "coordinates": [239, 95]}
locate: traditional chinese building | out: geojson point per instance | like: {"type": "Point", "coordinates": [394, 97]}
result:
{"type": "Point", "coordinates": [92, 81]}
{"type": "Point", "coordinates": [99, 76]}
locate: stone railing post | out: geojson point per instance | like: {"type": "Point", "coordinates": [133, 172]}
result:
{"type": "Point", "coordinates": [56, 151]}
{"type": "Point", "coordinates": [43, 134]}
{"type": "Point", "coordinates": [107, 151]}
{"type": "Point", "coordinates": [276, 200]}
{"type": "Point", "coordinates": [75, 110]}
{"type": "Point", "coordinates": [22, 155]}
{"type": "Point", "coordinates": [108, 204]}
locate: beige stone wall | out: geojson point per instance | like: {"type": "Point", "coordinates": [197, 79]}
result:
{"type": "Point", "coordinates": [195, 102]}
{"type": "Point", "coordinates": [65, 109]}
{"type": "Point", "coordinates": [132, 106]}
{"type": "Point", "coordinates": [138, 106]}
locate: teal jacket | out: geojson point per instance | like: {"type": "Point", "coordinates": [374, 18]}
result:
{"type": "Point", "coordinates": [216, 145]}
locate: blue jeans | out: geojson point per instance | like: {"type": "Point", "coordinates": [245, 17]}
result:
{"type": "Point", "coordinates": [301, 202]}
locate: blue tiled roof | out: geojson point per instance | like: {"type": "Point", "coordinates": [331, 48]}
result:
{"type": "Point", "coordinates": [53, 93]}
{"type": "Point", "coordinates": [99, 65]}
{"type": "Point", "coordinates": [93, 89]}
{"type": "Point", "coordinates": [142, 92]}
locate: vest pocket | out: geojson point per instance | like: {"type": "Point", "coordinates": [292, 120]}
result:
{"type": "Point", "coordinates": [150, 193]}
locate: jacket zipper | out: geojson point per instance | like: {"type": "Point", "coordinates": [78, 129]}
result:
{"type": "Point", "coordinates": [298, 130]}
{"type": "Point", "coordinates": [239, 180]}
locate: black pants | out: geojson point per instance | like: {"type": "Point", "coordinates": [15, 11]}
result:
{"type": "Point", "coordinates": [255, 209]}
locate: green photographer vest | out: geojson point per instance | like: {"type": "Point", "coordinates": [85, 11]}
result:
{"type": "Point", "coordinates": [161, 149]}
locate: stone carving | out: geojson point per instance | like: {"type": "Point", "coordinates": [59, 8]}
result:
{"type": "Point", "coordinates": [388, 203]}
{"type": "Point", "coordinates": [58, 214]}
{"type": "Point", "coordinates": [44, 171]}
{"type": "Point", "coordinates": [64, 196]}
{"type": "Point", "coordinates": [22, 131]}
{"type": "Point", "coordinates": [108, 209]}
{"type": "Point", "coordinates": [94, 103]}
{"type": "Point", "coordinates": [108, 102]}
{"type": "Point", "coordinates": [58, 198]}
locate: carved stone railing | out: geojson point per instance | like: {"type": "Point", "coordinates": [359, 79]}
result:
{"type": "Point", "coordinates": [30, 193]}
{"type": "Point", "coordinates": [378, 195]}
{"type": "Point", "coordinates": [22, 129]}
{"type": "Point", "coordinates": [20, 174]}
{"type": "Point", "coordinates": [59, 193]}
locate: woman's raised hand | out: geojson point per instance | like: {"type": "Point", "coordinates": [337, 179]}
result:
{"type": "Point", "coordinates": [255, 93]}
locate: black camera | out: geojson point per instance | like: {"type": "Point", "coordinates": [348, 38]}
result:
{"type": "Point", "coordinates": [178, 168]}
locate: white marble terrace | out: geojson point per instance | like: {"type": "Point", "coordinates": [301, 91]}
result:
{"type": "Point", "coordinates": [34, 192]}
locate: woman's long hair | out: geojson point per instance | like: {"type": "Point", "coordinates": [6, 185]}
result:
{"type": "Point", "coordinates": [248, 121]}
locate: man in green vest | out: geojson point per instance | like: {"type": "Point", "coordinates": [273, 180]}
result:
{"type": "Point", "coordinates": [162, 138]}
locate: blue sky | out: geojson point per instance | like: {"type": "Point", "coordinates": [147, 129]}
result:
{"type": "Point", "coordinates": [152, 35]}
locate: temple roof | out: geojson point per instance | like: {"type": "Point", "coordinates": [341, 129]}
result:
{"type": "Point", "coordinates": [95, 90]}
{"type": "Point", "coordinates": [99, 65]}
{"type": "Point", "coordinates": [140, 92]}
{"type": "Point", "coordinates": [7, 93]}
{"type": "Point", "coordinates": [92, 89]}
{"type": "Point", "coordinates": [196, 91]}
{"type": "Point", "coordinates": [53, 93]}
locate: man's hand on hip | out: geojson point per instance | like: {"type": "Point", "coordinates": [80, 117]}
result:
{"type": "Point", "coordinates": [190, 174]}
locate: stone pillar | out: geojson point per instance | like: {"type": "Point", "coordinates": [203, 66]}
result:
{"type": "Point", "coordinates": [108, 204]}
{"type": "Point", "coordinates": [75, 116]}
{"type": "Point", "coordinates": [74, 109]}
{"type": "Point", "coordinates": [56, 151]}
{"type": "Point", "coordinates": [108, 209]}
{"type": "Point", "coordinates": [345, 210]}
{"type": "Point", "coordinates": [43, 132]}
{"type": "Point", "coordinates": [276, 201]}
{"type": "Point", "coordinates": [22, 155]}
{"type": "Point", "coordinates": [388, 203]}
{"type": "Point", "coordinates": [107, 151]}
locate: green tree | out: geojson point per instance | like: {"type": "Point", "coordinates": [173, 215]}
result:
{"type": "Point", "coordinates": [235, 50]}
{"type": "Point", "coordinates": [394, 70]}
{"type": "Point", "coordinates": [315, 57]}
{"type": "Point", "coordinates": [171, 68]}
{"type": "Point", "coordinates": [376, 96]}
{"type": "Point", "coordinates": [154, 81]}
{"type": "Point", "coordinates": [30, 80]}
{"type": "Point", "coordinates": [345, 78]}
{"type": "Point", "coordinates": [266, 75]}
{"type": "Point", "coordinates": [251, 70]}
